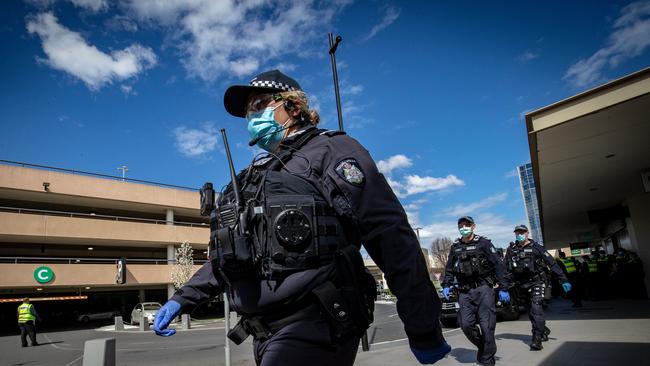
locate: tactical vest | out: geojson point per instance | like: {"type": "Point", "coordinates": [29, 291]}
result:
{"type": "Point", "coordinates": [569, 265]}
{"type": "Point", "coordinates": [25, 313]}
{"type": "Point", "coordinates": [524, 262]}
{"type": "Point", "coordinates": [470, 263]}
{"type": "Point", "coordinates": [593, 266]}
{"type": "Point", "coordinates": [284, 224]}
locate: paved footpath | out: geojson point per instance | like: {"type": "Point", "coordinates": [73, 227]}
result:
{"type": "Point", "coordinates": [601, 333]}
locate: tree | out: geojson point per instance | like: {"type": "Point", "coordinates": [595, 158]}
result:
{"type": "Point", "coordinates": [440, 251]}
{"type": "Point", "coordinates": [184, 267]}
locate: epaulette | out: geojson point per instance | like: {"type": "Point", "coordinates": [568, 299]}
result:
{"type": "Point", "coordinates": [330, 133]}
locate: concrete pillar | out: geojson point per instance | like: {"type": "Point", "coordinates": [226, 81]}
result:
{"type": "Point", "coordinates": [141, 295]}
{"type": "Point", "coordinates": [170, 217]}
{"type": "Point", "coordinates": [185, 321]}
{"type": "Point", "coordinates": [119, 323]}
{"type": "Point", "coordinates": [639, 231]}
{"type": "Point", "coordinates": [99, 352]}
{"type": "Point", "coordinates": [171, 259]}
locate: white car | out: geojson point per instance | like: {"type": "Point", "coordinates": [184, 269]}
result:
{"type": "Point", "coordinates": [90, 316]}
{"type": "Point", "coordinates": [148, 309]}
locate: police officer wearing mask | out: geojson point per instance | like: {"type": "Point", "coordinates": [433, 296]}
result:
{"type": "Point", "coordinates": [474, 263]}
{"type": "Point", "coordinates": [288, 257]}
{"type": "Point", "coordinates": [526, 262]}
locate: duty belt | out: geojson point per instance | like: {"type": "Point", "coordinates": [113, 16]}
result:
{"type": "Point", "coordinates": [263, 327]}
{"type": "Point", "coordinates": [474, 283]}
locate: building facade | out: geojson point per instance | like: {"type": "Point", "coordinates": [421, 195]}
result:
{"type": "Point", "coordinates": [63, 232]}
{"type": "Point", "coordinates": [529, 195]}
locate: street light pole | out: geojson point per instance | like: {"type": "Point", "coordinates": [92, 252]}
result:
{"type": "Point", "coordinates": [124, 169]}
{"type": "Point", "coordinates": [417, 232]}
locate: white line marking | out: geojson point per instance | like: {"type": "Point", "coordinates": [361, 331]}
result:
{"type": "Point", "coordinates": [406, 339]}
{"type": "Point", "coordinates": [75, 360]}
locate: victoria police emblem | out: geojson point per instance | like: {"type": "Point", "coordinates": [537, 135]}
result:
{"type": "Point", "coordinates": [351, 172]}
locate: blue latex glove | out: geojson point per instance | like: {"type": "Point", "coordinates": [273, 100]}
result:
{"type": "Point", "coordinates": [566, 286]}
{"type": "Point", "coordinates": [164, 316]}
{"type": "Point", "coordinates": [430, 356]}
{"type": "Point", "coordinates": [445, 292]}
{"type": "Point", "coordinates": [504, 296]}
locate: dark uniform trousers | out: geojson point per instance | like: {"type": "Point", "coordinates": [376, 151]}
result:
{"type": "Point", "coordinates": [305, 342]}
{"type": "Point", "coordinates": [477, 307]}
{"type": "Point", "coordinates": [536, 305]}
{"type": "Point", "coordinates": [25, 329]}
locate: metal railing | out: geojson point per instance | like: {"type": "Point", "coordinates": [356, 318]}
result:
{"type": "Point", "coordinates": [100, 217]}
{"type": "Point", "coordinates": [16, 260]}
{"type": "Point", "coordinates": [80, 172]}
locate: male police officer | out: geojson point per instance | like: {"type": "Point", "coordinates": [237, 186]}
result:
{"type": "Point", "coordinates": [26, 318]}
{"type": "Point", "coordinates": [526, 261]}
{"type": "Point", "coordinates": [474, 263]}
{"type": "Point", "coordinates": [285, 245]}
{"type": "Point", "coordinates": [571, 269]}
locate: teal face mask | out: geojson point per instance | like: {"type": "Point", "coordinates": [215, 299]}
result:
{"type": "Point", "coordinates": [521, 238]}
{"type": "Point", "coordinates": [465, 231]}
{"type": "Point", "coordinates": [263, 126]}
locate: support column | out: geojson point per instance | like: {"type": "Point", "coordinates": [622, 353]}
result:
{"type": "Point", "coordinates": [141, 295]}
{"type": "Point", "coordinates": [171, 259]}
{"type": "Point", "coordinates": [170, 217]}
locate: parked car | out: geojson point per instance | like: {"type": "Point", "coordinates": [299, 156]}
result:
{"type": "Point", "coordinates": [91, 316]}
{"type": "Point", "coordinates": [148, 309]}
{"type": "Point", "coordinates": [505, 311]}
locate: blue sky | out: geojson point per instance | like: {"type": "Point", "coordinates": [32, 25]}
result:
{"type": "Point", "coordinates": [436, 91]}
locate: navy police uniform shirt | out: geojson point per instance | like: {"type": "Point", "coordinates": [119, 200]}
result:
{"type": "Point", "coordinates": [345, 173]}
{"type": "Point", "coordinates": [484, 246]}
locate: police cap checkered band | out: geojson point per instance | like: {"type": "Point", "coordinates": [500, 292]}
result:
{"type": "Point", "coordinates": [236, 97]}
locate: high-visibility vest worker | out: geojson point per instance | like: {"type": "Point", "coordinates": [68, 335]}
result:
{"type": "Point", "coordinates": [25, 313]}
{"type": "Point", "coordinates": [569, 266]}
{"type": "Point", "coordinates": [593, 266]}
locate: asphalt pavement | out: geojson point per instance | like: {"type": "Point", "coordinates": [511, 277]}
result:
{"type": "Point", "coordinates": [602, 333]}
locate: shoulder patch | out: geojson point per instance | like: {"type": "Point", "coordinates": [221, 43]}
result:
{"type": "Point", "coordinates": [351, 172]}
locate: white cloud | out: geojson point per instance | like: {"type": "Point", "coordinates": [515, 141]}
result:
{"type": "Point", "coordinates": [351, 89]}
{"type": "Point", "coordinates": [69, 52]}
{"type": "Point", "coordinates": [229, 37]}
{"type": "Point", "coordinates": [390, 16]}
{"type": "Point", "coordinates": [394, 162]}
{"type": "Point", "coordinates": [630, 37]}
{"type": "Point", "coordinates": [193, 142]}
{"type": "Point", "coordinates": [527, 56]}
{"type": "Point", "coordinates": [511, 174]}
{"type": "Point", "coordinates": [121, 23]}
{"type": "Point", "coordinates": [92, 5]}
{"type": "Point", "coordinates": [415, 184]}
{"type": "Point", "coordinates": [472, 208]}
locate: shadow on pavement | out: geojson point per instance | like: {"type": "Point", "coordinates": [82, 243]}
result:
{"type": "Point", "coordinates": [526, 338]}
{"type": "Point", "coordinates": [464, 355]}
{"type": "Point", "coordinates": [618, 309]}
{"type": "Point", "coordinates": [599, 353]}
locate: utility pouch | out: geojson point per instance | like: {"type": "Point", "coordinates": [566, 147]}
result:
{"type": "Point", "coordinates": [357, 286]}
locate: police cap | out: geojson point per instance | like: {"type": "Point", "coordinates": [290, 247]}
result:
{"type": "Point", "coordinates": [467, 219]}
{"type": "Point", "coordinates": [521, 227]}
{"type": "Point", "coordinates": [236, 96]}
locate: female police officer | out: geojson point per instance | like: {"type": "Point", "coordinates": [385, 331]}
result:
{"type": "Point", "coordinates": [312, 198]}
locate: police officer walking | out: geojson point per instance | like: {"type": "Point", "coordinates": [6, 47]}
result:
{"type": "Point", "coordinates": [571, 269]}
{"type": "Point", "coordinates": [474, 264]}
{"type": "Point", "coordinates": [526, 262]}
{"type": "Point", "coordinates": [285, 238]}
{"type": "Point", "coordinates": [27, 317]}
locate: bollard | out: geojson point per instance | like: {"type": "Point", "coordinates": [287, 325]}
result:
{"type": "Point", "coordinates": [119, 324]}
{"type": "Point", "coordinates": [144, 324]}
{"type": "Point", "coordinates": [233, 319]}
{"type": "Point", "coordinates": [185, 320]}
{"type": "Point", "coordinates": [99, 352]}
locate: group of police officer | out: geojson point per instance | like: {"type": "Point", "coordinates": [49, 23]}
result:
{"type": "Point", "coordinates": [285, 236]}
{"type": "Point", "coordinates": [602, 276]}
{"type": "Point", "coordinates": [475, 269]}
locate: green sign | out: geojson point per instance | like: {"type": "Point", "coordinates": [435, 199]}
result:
{"type": "Point", "coordinates": [43, 274]}
{"type": "Point", "coordinates": [576, 251]}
